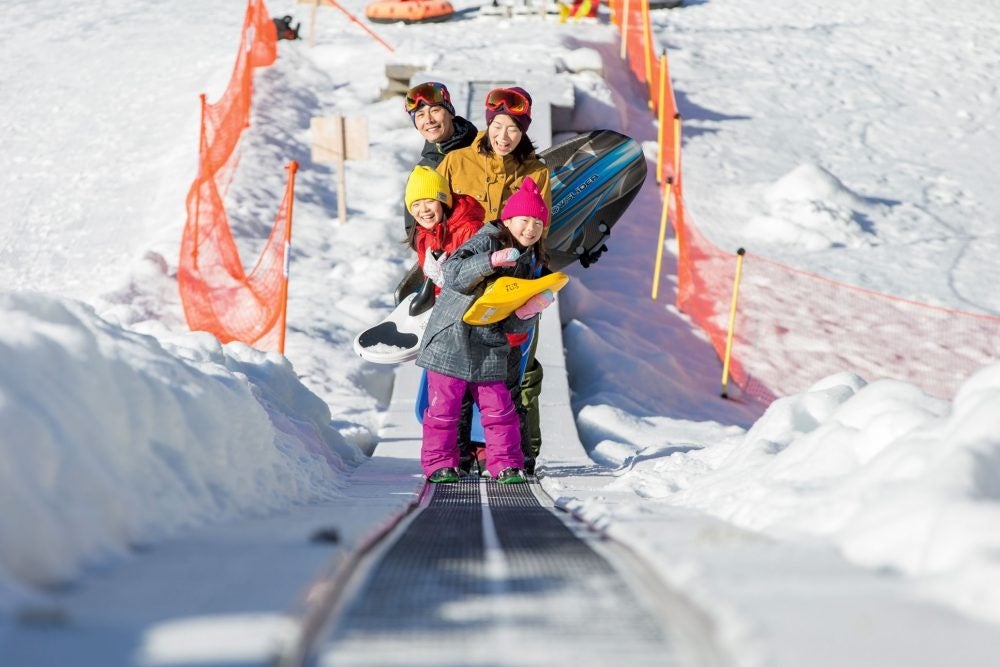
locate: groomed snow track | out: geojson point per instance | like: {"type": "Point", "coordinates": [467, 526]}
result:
{"type": "Point", "coordinates": [479, 573]}
{"type": "Point", "coordinates": [484, 574]}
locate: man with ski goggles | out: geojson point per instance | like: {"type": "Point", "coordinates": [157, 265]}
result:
{"type": "Point", "coordinates": [433, 115]}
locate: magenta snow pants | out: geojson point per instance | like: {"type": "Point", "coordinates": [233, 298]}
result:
{"type": "Point", "coordinates": [501, 424]}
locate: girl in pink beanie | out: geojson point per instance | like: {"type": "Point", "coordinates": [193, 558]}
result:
{"type": "Point", "coordinates": [462, 358]}
{"type": "Point", "coordinates": [527, 202]}
{"type": "Point", "coordinates": [525, 217]}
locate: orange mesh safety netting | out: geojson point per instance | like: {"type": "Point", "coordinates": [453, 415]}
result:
{"type": "Point", "coordinates": [632, 17]}
{"type": "Point", "coordinates": [650, 68]}
{"type": "Point", "coordinates": [218, 296]}
{"type": "Point", "coordinates": [794, 328]}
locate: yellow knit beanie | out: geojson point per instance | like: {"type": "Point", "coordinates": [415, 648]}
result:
{"type": "Point", "coordinates": [425, 183]}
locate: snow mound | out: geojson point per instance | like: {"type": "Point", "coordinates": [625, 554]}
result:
{"type": "Point", "coordinates": [133, 439]}
{"type": "Point", "coordinates": [896, 479]}
{"type": "Point", "coordinates": [810, 208]}
{"type": "Point", "coordinates": [810, 182]}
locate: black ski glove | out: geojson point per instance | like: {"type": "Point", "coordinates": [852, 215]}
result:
{"type": "Point", "coordinates": [592, 256]}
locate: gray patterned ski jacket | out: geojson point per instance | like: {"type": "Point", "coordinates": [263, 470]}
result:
{"type": "Point", "coordinates": [449, 345]}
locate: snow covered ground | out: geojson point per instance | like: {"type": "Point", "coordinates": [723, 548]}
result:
{"type": "Point", "coordinates": [854, 522]}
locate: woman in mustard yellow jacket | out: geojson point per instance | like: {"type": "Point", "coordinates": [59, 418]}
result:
{"type": "Point", "coordinates": [495, 165]}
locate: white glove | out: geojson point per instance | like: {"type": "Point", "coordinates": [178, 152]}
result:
{"type": "Point", "coordinates": [432, 268]}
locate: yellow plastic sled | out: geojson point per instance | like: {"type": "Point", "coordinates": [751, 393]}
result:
{"type": "Point", "coordinates": [505, 295]}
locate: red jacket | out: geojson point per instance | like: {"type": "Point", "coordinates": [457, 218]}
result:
{"type": "Point", "coordinates": [466, 219]}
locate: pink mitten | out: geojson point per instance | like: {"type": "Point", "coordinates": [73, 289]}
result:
{"type": "Point", "coordinates": [505, 257]}
{"type": "Point", "coordinates": [535, 305]}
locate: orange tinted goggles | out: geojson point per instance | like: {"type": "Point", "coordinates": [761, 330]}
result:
{"type": "Point", "coordinates": [505, 99]}
{"type": "Point", "coordinates": [431, 93]}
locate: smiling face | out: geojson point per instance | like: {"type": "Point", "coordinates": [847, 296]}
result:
{"type": "Point", "coordinates": [434, 123]}
{"type": "Point", "coordinates": [427, 212]}
{"type": "Point", "coordinates": [525, 229]}
{"type": "Point", "coordinates": [504, 134]}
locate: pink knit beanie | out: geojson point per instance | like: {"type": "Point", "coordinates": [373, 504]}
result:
{"type": "Point", "coordinates": [526, 201]}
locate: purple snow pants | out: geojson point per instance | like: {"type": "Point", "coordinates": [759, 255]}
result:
{"type": "Point", "coordinates": [500, 420]}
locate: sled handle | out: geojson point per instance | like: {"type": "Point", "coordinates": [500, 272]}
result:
{"type": "Point", "coordinates": [425, 298]}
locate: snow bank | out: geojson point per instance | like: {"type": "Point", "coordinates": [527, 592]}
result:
{"type": "Point", "coordinates": [111, 438]}
{"type": "Point", "coordinates": [898, 480]}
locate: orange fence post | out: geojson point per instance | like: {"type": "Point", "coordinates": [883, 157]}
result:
{"type": "Point", "coordinates": [679, 221]}
{"type": "Point", "coordinates": [660, 113]}
{"type": "Point", "coordinates": [293, 167]}
{"type": "Point", "coordinates": [378, 39]}
{"type": "Point", "coordinates": [648, 50]}
{"type": "Point", "coordinates": [677, 145]}
{"type": "Point", "coordinates": [202, 151]}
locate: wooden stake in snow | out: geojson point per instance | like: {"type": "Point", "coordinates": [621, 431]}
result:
{"type": "Point", "coordinates": [338, 139]}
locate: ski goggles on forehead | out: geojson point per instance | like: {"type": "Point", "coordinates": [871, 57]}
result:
{"type": "Point", "coordinates": [511, 101]}
{"type": "Point", "coordinates": [432, 94]}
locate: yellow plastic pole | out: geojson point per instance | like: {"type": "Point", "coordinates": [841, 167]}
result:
{"type": "Point", "coordinates": [648, 38]}
{"type": "Point", "coordinates": [732, 322]}
{"type": "Point", "coordinates": [659, 117]}
{"type": "Point", "coordinates": [662, 237]}
{"type": "Point", "coordinates": [293, 167]}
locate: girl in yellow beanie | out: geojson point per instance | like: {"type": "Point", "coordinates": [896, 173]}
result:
{"type": "Point", "coordinates": [444, 220]}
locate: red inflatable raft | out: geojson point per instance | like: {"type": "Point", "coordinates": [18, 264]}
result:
{"type": "Point", "coordinates": [409, 11]}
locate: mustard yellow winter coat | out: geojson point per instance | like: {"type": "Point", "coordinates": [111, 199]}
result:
{"type": "Point", "coordinates": [491, 179]}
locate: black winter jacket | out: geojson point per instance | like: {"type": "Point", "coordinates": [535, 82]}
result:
{"type": "Point", "coordinates": [432, 154]}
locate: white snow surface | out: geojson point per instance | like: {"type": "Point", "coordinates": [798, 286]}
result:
{"type": "Point", "coordinates": [855, 140]}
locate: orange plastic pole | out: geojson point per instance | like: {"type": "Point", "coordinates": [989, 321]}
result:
{"type": "Point", "coordinates": [202, 173]}
{"type": "Point", "coordinates": [659, 117]}
{"type": "Point", "coordinates": [648, 38]}
{"type": "Point", "coordinates": [678, 181]}
{"type": "Point", "coordinates": [677, 146]}
{"type": "Point", "coordinates": [378, 39]}
{"type": "Point", "coordinates": [293, 167]}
